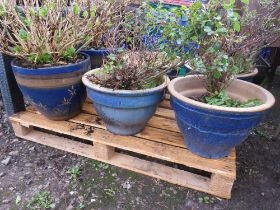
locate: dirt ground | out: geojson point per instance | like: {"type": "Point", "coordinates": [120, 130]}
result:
{"type": "Point", "coordinates": [28, 169]}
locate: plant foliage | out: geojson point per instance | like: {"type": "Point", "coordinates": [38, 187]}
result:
{"type": "Point", "coordinates": [52, 32]}
{"type": "Point", "coordinates": [42, 200]}
{"type": "Point", "coordinates": [227, 37]}
{"type": "Point", "coordinates": [222, 99]}
{"type": "Point", "coordinates": [144, 61]}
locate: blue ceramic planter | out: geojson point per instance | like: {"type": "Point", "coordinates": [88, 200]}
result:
{"type": "Point", "coordinates": [56, 92]}
{"type": "Point", "coordinates": [248, 77]}
{"type": "Point", "coordinates": [212, 131]}
{"type": "Point", "coordinates": [97, 56]}
{"type": "Point", "coordinates": [124, 112]}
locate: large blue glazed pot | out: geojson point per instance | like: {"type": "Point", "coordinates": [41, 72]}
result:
{"type": "Point", "coordinates": [97, 56]}
{"type": "Point", "coordinates": [212, 131]}
{"type": "Point", "coordinates": [249, 77]}
{"type": "Point", "coordinates": [56, 92]}
{"type": "Point", "coordinates": [125, 112]}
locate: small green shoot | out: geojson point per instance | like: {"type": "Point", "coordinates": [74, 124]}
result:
{"type": "Point", "coordinates": [42, 200]}
{"type": "Point", "coordinates": [251, 172]}
{"type": "Point", "coordinates": [74, 172]}
{"type": "Point", "coordinates": [18, 199]}
{"type": "Point", "coordinates": [206, 199]}
{"type": "Point", "coordinates": [110, 192]}
{"type": "Point", "coordinates": [101, 166]}
{"type": "Point", "coordinates": [81, 206]}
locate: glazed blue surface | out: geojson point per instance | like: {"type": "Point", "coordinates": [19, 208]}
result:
{"type": "Point", "coordinates": [56, 101]}
{"type": "Point", "coordinates": [212, 133]}
{"type": "Point", "coordinates": [102, 52]}
{"type": "Point", "coordinates": [125, 114]}
{"type": "Point", "coordinates": [97, 56]}
{"type": "Point", "coordinates": [50, 102]}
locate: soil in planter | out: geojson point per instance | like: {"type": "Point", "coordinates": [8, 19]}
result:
{"type": "Point", "coordinates": [124, 80]}
{"type": "Point", "coordinates": [222, 99]}
{"type": "Point", "coordinates": [25, 64]}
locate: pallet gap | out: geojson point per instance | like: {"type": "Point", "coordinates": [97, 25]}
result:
{"type": "Point", "coordinates": [166, 163]}
{"type": "Point", "coordinates": [133, 154]}
{"type": "Point", "coordinates": [73, 138]}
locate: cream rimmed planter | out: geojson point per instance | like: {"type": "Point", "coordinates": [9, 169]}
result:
{"type": "Point", "coordinates": [249, 76]}
{"type": "Point", "coordinates": [125, 112]}
{"type": "Point", "coordinates": [212, 131]}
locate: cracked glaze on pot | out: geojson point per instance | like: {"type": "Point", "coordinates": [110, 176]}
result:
{"type": "Point", "coordinates": [125, 112]}
{"type": "Point", "coordinates": [212, 131]}
{"type": "Point", "coordinates": [56, 92]}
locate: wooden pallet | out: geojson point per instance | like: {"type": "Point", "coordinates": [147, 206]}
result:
{"type": "Point", "coordinates": [161, 140]}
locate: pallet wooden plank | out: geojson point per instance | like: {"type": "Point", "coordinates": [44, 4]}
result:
{"type": "Point", "coordinates": [225, 166]}
{"type": "Point", "coordinates": [221, 184]}
{"type": "Point", "coordinates": [154, 134]}
{"type": "Point", "coordinates": [165, 104]}
{"type": "Point", "coordinates": [161, 112]}
{"type": "Point", "coordinates": [103, 151]}
{"type": "Point", "coordinates": [155, 121]}
{"type": "Point", "coordinates": [172, 175]}
{"type": "Point", "coordinates": [167, 113]}
{"type": "Point", "coordinates": [162, 134]}
{"type": "Point", "coordinates": [21, 130]}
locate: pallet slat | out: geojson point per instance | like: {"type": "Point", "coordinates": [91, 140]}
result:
{"type": "Point", "coordinates": [159, 135]}
{"type": "Point", "coordinates": [225, 166]}
{"type": "Point", "coordinates": [172, 175]}
{"type": "Point", "coordinates": [165, 104]}
{"type": "Point", "coordinates": [161, 139]}
{"type": "Point", "coordinates": [155, 121]}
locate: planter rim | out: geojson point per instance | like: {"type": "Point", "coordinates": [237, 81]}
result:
{"type": "Point", "coordinates": [270, 100]}
{"type": "Point", "coordinates": [251, 74]}
{"type": "Point", "coordinates": [67, 68]}
{"type": "Point", "coordinates": [90, 85]}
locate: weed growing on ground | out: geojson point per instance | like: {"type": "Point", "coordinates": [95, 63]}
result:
{"type": "Point", "coordinates": [18, 199]}
{"type": "Point", "coordinates": [74, 172]}
{"type": "Point", "coordinates": [206, 200]}
{"type": "Point", "coordinates": [101, 166]}
{"type": "Point", "coordinates": [42, 200]}
{"type": "Point", "coordinates": [110, 192]}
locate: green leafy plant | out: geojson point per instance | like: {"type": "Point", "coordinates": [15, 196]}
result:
{"type": "Point", "coordinates": [42, 200]}
{"type": "Point", "coordinates": [74, 172]}
{"type": "Point", "coordinates": [223, 40]}
{"type": "Point", "coordinates": [134, 70]}
{"type": "Point", "coordinates": [143, 63]}
{"type": "Point", "coordinates": [51, 32]}
{"type": "Point", "coordinates": [222, 99]}
{"type": "Point", "coordinates": [101, 166]}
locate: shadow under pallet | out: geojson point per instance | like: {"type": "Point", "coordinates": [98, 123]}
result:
{"type": "Point", "coordinates": [149, 152]}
